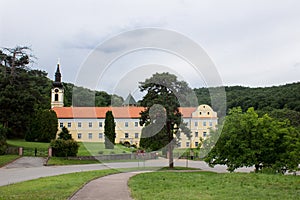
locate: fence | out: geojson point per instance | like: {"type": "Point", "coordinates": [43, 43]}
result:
{"type": "Point", "coordinates": [133, 156]}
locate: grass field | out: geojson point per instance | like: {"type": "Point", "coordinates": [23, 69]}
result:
{"type": "Point", "coordinates": [208, 185]}
{"type": "Point", "coordinates": [97, 148]}
{"type": "Point", "coordinates": [65, 161]}
{"type": "Point", "coordinates": [85, 149]}
{"type": "Point", "coordinates": [4, 159]}
{"type": "Point", "coordinates": [55, 187]}
{"type": "Point", "coordinates": [23, 143]}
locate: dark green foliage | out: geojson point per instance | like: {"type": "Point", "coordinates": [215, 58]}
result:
{"type": "Point", "coordinates": [165, 94]}
{"type": "Point", "coordinates": [22, 91]}
{"type": "Point", "coordinates": [248, 140]}
{"type": "Point", "coordinates": [276, 97]}
{"type": "Point", "coordinates": [43, 126]}
{"type": "Point", "coordinates": [83, 97]}
{"type": "Point", "coordinates": [109, 130]}
{"type": "Point", "coordinates": [3, 144]}
{"type": "Point", "coordinates": [64, 134]}
{"type": "Point", "coordinates": [64, 148]}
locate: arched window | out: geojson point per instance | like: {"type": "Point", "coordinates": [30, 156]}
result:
{"type": "Point", "coordinates": [56, 97]}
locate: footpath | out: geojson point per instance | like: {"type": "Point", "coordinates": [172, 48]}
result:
{"type": "Point", "coordinates": [112, 187]}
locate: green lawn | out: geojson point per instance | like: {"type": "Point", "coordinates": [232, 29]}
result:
{"type": "Point", "coordinates": [65, 161]}
{"type": "Point", "coordinates": [23, 143]}
{"type": "Point", "coordinates": [208, 185]}
{"type": "Point", "coordinates": [55, 187]}
{"type": "Point", "coordinates": [4, 159]}
{"type": "Point", "coordinates": [97, 148]}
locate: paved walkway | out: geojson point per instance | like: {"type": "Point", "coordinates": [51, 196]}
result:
{"type": "Point", "coordinates": [23, 173]}
{"type": "Point", "coordinates": [112, 187]}
{"type": "Point", "coordinates": [27, 162]}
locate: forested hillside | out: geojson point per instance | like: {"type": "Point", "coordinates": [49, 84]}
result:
{"type": "Point", "coordinates": [281, 102]}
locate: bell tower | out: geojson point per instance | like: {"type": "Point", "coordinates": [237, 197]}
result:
{"type": "Point", "coordinates": [57, 92]}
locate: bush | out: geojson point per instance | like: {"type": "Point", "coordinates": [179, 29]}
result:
{"type": "Point", "coordinates": [64, 134]}
{"type": "Point", "coordinates": [64, 148]}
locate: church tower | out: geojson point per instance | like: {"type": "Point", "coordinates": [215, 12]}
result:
{"type": "Point", "coordinates": [57, 92]}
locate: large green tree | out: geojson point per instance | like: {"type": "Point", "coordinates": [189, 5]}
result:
{"type": "Point", "coordinates": [249, 140]}
{"type": "Point", "coordinates": [161, 117]}
{"type": "Point", "coordinates": [43, 126]}
{"type": "Point", "coordinates": [22, 91]}
{"type": "Point", "coordinates": [109, 130]}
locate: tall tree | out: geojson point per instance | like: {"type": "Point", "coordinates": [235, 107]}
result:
{"type": "Point", "coordinates": [43, 126]}
{"type": "Point", "coordinates": [109, 130]}
{"type": "Point", "coordinates": [161, 117]}
{"type": "Point", "coordinates": [248, 140]}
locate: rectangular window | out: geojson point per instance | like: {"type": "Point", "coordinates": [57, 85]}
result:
{"type": "Point", "coordinates": [179, 144]}
{"type": "Point", "coordinates": [187, 144]}
{"type": "Point", "coordinates": [196, 134]}
{"type": "Point", "coordinates": [61, 124]}
{"type": "Point", "coordinates": [79, 124]}
{"type": "Point", "coordinates": [90, 136]}
{"type": "Point", "coordinates": [136, 124]}
{"type": "Point", "coordinates": [100, 124]}
{"type": "Point", "coordinates": [204, 123]}
{"type": "Point", "coordinates": [196, 144]}
{"type": "Point", "coordinates": [136, 135]}
{"type": "Point", "coordinates": [79, 135]}
{"type": "Point", "coordinates": [100, 135]}
{"type": "Point", "coordinates": [196, 123]}
{"type": "Point", "coordinates": [126, 124]}
{"type": "Point", "coordinates": [90, 124]}
{"type": "Point", "coordinates": [69, 124]}
{"type": "Point", "coordinates": [204, 134]}
{"type": "Point", "coordinates": [126, 135]}
{"type": "Point", "coordinates": [210, 124]}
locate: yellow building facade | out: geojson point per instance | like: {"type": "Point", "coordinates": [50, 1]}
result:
{"type": "Point", "coordinates": [86, 124]}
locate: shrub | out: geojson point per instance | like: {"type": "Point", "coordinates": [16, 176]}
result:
{"type": "Point", "coordinates": [64, 134]}
{"type": "Point", "coordinates": [64, 148]}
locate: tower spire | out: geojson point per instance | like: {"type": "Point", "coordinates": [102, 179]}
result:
{"type": "Point", "coordinates": [57, 81]}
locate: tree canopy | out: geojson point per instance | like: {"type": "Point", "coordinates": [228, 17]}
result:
{"type": "Point", "coordinates": [109, 130]}
{"type": "Point", "coordinates": [161, 116]}
{"type": "Point", "coordinates": [248, 140]}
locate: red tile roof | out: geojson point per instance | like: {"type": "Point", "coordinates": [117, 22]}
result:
{"type": "Point", "coordinates": [99, 112]}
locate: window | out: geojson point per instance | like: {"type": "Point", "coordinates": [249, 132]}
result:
{"type": "Point", "coordinates": [79, 124]}
{"type": "Point", "coordinates": [187, 144]}
{"type": "Point", "coordinates": [136, 124]}
{"type": "Point", "coordinates": [79, 135]}
{"type": "Point", "coordinates": [69, 124]}
{"type": "Point", "coordinates": [200, 113]}
{"type": "Point", "coordinates": [136, 135]}
{"type": "Point", "coordinates": [204, 123]}
{"type": "Point", "coordinates": [210, 124]}
{"type": "Point", "coordinates": [204, 134]}
{"type": "Point", "coordinates": [196, 144]}
{"type": "Point", "coordinates": [90, 124]}
{"type": "Point", "coordinates": [179, 144]}
{"type": "Point", "coordinates": [196, 134]}
{"type": "Point", "coordinates": [100, 124]}
{"type": "Point", "coordinates": [90, 136]}
{"type": "Point", "coordinates": [56, 97]}
{"type": "Point", "coordinates": [126, 135]}
{"type": "Point", "coordinates": [61, 124]}
{"type": "Point", "coordinates": [207, 113]}
{"type": "Point", "coordinates": [100, 135]}
{"type": "Point", "coordinates": [196, 123]}
{"type": "Point", "coordinates": [126, 124]}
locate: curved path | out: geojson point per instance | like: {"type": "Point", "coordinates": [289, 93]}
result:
{"type": "Point", "coordinates": [23, 173]}
{"type": "Point", "coordinates": [111, 187]}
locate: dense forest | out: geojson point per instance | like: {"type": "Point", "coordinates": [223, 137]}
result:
{"type": "Point", "coordinates": [281, 102]}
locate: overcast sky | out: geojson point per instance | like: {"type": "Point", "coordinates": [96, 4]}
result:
{"type": "Point", "coordinates": [252, 43]}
